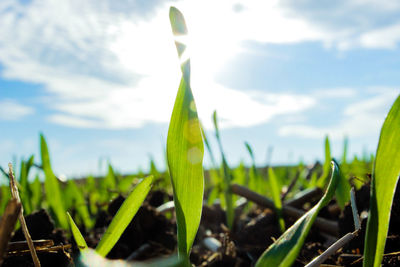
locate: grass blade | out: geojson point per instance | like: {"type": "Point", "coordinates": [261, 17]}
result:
{"type": "Point", "coordinates": [345, 150]}
{"type": "Point", "coordinates": [255, 182]}
{"type": "Point", "coordinates": [36, 189]}
{"type": "Point", "coordinates": [227, 175]}
{"type": "Point", "coordinates": [52, 187]}
{"type": "Point", "coordinates": [79, 202]}
{"type": "Point", "coordinates": [342, 192]}
{"type": "Point", "coordinates": [24, 188]}
{"type": "Point", "coordinates": [124, 216]}
{"type": "Point", "coordinates": [185, 151]}
{"type": "Point", "coordinates": [26, 194]}
{"type": "Point", "coordinates": [108, 184]}
{"type": "Point", "coordinates": [276, 196]}
{"type": "Point", "coordinates": [110, 181]}
{"type": "Point", "coordinates": [325, 171]}
{"type": "Point", "coordinates": [208, 146]}
{"type": "Point", "coordinates": [384, 180]}
{"type": "Point", "coordinates": [284, 251]}
{"type": "Point", "coordinates": [80, 241]}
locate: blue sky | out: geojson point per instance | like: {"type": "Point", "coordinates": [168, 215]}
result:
{"type": "Point", "coordinates": [99, 78]}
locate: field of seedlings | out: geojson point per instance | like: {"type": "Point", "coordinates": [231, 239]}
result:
{"type": "Point", "coordinates": [341, 212]}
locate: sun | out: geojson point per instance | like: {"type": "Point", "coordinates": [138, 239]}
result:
{"type": "Point", "coordinates": [210, 41]}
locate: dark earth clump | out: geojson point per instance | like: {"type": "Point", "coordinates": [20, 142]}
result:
{"type": "Point", "coordinates": [41, 226]}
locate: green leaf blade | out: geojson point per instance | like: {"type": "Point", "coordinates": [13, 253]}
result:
{"type": "Point", "coordinates": [124, 216]}
{"type": "Point", "coordinates": [384, 180]}
{"type": "Point", "coordinates": [225, 185]}
{"type": "Point", "coordinates": [342, 192]}
{"type": "Point", "coordinates": [36, 189]}
{"type": "Point", "coordinates": [276, 196]}
{"type": "Point", "coordinates": [79, 201]}
{"type": "Point", "coordinates": [185, 150]}
{"type": "Point", "coordinates": [325, 173]}
{"type": "Point", "coordinates": [52, 187]}
{"type": "Point", "coordinates": [185, 157]}
{"type": "Point", "coordinates": [285, 250]}
{"type": "Point", "coordinates": [80, 241]}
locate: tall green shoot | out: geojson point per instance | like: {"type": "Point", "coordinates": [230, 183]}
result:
{"type": "Point", "coordinates": [384, 179]}
{"type": "Point", "coordinates": [255, 182]}
{"type": "Point", "coordinates": [226, 185]}
{"type": "Point", "coordinates": [26, 193]}
{"type": "Point", "coordinates": [185, 150]}
{"type": "Point", "coordinates": [37, 195]}
{"type": "Point", "coordinates": [326, 167]}
{"type": "Point", "coordinates": [75, 195]}
{"type": "Point", "coordinates": [345, 151]}
{"type": "Point", "coordinates": [108, 184]}
{"type": "Point", "coordinates": [342, 192]}
{"type": "Point", "coordinates": [276, 196]}
{"type": "Point", "coordinates": [215, 179]}
{"type": "Point", "coordinates": [52, 186]}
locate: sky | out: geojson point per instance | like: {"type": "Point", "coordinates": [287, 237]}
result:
{"type": "Point", "coordinates": [99, 78]}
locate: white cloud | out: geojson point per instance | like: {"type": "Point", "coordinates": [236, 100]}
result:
{"type": "Point", "coordinates": [340, 92]}
{"type": "Point", "coordinates": [105, 65]}
{"type": "Point", "coordinates": [385, 37]}
{"type": "Point", "coordinates": [348, 24]}
{"type": "Point", "coordinates": [107, 70]}
{"type": "Point", "coordinates": [362, 118]}
{"type": "Point", "coordinates": [12, 110]}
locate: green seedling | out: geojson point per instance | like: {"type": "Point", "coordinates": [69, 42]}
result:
{"type": "Point", "coordinates": [284, 251]}
{"type": "Point", "coordinates": [226, 173]}
{"type": "Point", "coordinates": [276, 196]}
{"type": "Point", "coordinates": [325, 168]}
{"type": "Point", "coordinates": [345, 151]}
{"type": "Point", "coordinates": [185, 150]}
{"type": "Point", "coordinates": [80, 241]}
{"type": "Point", "coordinates": [160, 180]}
{"type": "Point", "coordinates": [120, 221]}
{"type": "Point", "coordinates": [240, 174]}
{"type": "Point", "coordinates": [125, 184]}
{"type": "Point", "coordinates": [342, 192]}
{"type": "Point", "coordinates": [124, 216]}
{"type": "Point", "coordinates": [92, 194]}
{"type": "Point", "coordinates": [52, 186]}
{"type": "Point", "coordinates": [108, 185]}
{"type": "Point", "coordinates": [255, 181]}
{"type": "Point", "coordinates": [37, 195]}
{"type": "Point", "coordinates": [214, 182]}
{"type": "Point", "coordinates": [25, 190]}
{"type": "Point", "coordinates": [384, 179]}
{"type": "Point", "coordinates": [208, 146]}
{"type": "Point", "coordinates": [343, 189]}
{"type": "Point", "coordinates": [214, 179]}
{"type": "Point", "coordinates": [75, 196]}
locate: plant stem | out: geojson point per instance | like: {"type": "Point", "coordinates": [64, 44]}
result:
{"type": "Point", "coordinates": [332, 249]}
{"type": "Point", "coordinates": [15, 194]}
